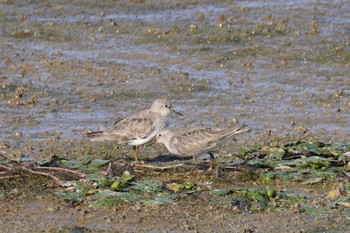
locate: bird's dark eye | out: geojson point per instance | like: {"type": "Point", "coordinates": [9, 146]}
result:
{"type": "Point", "coordinates": [159, 135]}
{"type": "Point", "coordinates": [167, 106]}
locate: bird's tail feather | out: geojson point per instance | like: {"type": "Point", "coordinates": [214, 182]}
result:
{"type": "Point", "coordinates": [242, 128]}
{"type": "Point", "coordinates": [235, 130]}
{"type": "Point", "coordinates": [99, 136]}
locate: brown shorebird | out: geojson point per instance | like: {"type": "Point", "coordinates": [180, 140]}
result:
{"type": "Point", "coordinates": [196, 141]}
{"type": "Point", "coordinates": [139, 128]}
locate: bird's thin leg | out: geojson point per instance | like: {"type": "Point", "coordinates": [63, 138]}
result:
{"type": "Point", "coordinates": [138, 154]}
{"type": "Point", "coordinates": [136, 150]}
{"type": "Point", "coordinates": [196, 164]}
{"type": "Point", "coordinates": [212, 161]}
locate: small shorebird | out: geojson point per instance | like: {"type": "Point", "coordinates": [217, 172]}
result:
{"type": "Point", "coordinates": [197, 140]}
{"type": "Point", "coordinates": [139, 128]}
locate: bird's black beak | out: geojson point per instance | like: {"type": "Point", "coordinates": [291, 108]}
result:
{"type": "Point", "coordinates": [178, 113]}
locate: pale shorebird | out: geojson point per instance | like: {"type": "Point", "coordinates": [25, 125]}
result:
{"type": "Point", "coordinates": [139, 128]}
{"type": "Point", "coordinates": [196, 141]}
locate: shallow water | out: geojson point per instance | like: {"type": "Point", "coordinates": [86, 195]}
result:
{"type": "Point", "coordinates": [280, 67]}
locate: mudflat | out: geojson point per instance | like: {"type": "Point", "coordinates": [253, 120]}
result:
{"type": "Point", "coordinates": [283, 67]}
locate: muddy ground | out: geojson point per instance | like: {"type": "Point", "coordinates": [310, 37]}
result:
{"type": "Point", "coordinates": [68, 67]}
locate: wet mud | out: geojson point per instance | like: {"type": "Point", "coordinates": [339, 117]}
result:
{"type": "Point", "coordinates": [67, 67]}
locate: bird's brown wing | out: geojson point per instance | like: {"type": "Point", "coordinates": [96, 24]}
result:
{"type": "Point", "coordinates": [136, 126]}
{"type": "Point", "coordinates": [196, 140]}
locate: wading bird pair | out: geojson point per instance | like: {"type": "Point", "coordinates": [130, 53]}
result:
{"type": "Point", "coordinates": [148, 125]}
